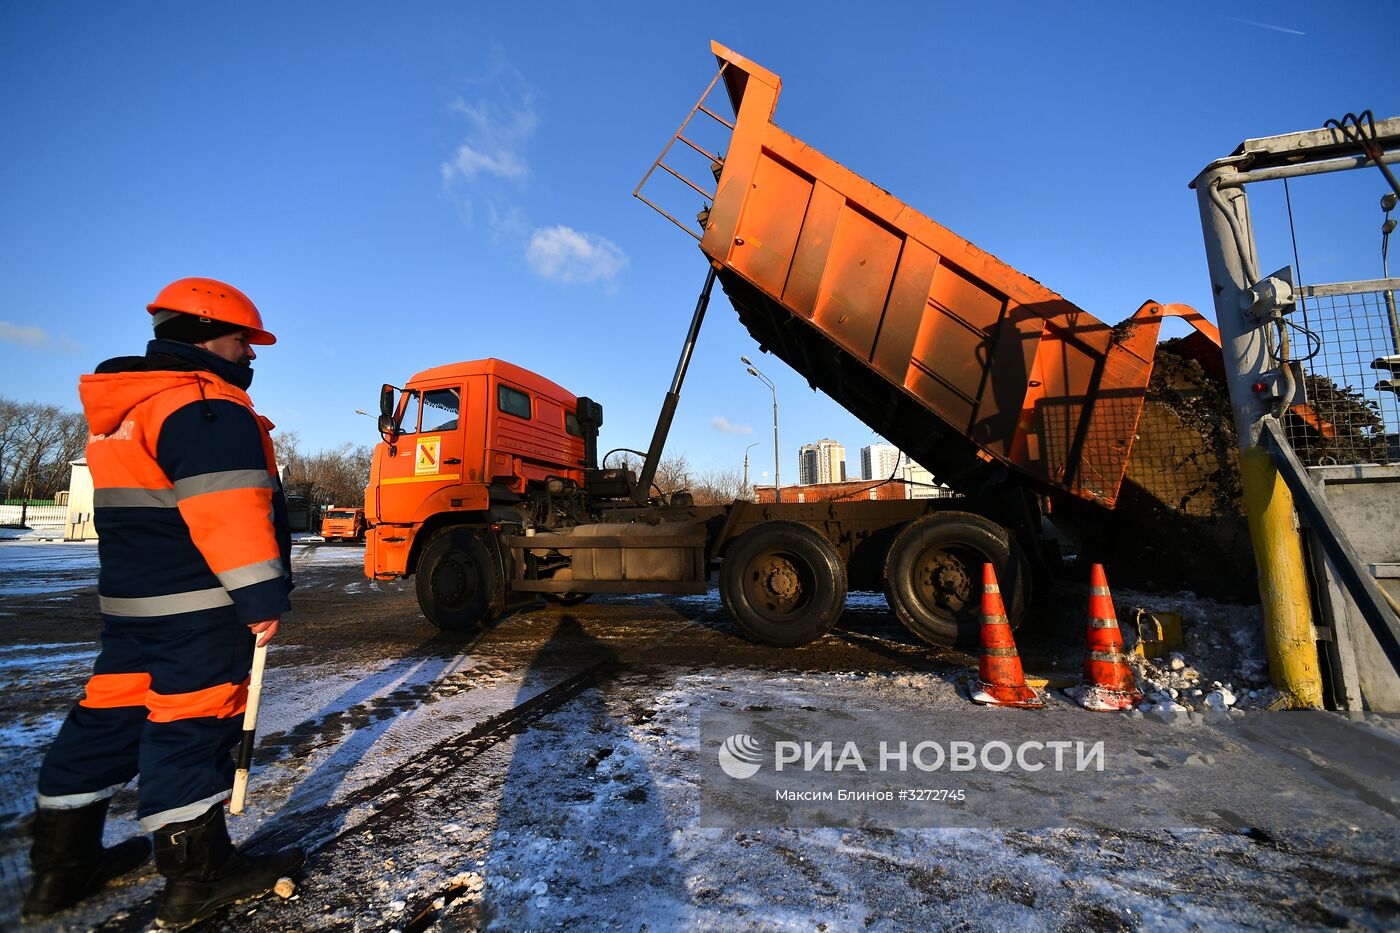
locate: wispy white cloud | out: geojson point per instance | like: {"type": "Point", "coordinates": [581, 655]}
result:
{"type": "Point", "coordinates": [24, 336]}
{"type": "Point", "coordinates": [36, 338]}
{"type": "Point", "coordinates": [1250, 22]}
{"type": "Point", "coordinates": [499, 126]}
{"type": "Point", "coordinates": [489, 173]}
{"type": "Point", "coordinates": [564, 254]}
{"type": "Point", "coordinates": [722, 425]}
{"type": "Point", "coordinates": [508, 223]}
{"type": "Point", "coordinates": [500, 156]}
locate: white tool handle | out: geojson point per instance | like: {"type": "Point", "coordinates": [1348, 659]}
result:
{"type": "Point", "coordinates": [250, 728]}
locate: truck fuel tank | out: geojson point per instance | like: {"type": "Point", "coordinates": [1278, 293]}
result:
{"type": "Point", "coordinates": [621, 551]}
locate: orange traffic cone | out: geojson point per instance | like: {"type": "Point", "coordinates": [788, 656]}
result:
{"type": "Point", "coordinates": [1000, 680]}
{"type": "Point", "coordinates": [1108, 678]}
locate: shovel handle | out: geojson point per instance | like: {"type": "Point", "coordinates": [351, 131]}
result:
{"type": "Point", "coordinates": [250, 729]}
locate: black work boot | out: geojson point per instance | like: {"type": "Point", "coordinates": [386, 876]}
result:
{"type": "Point", "coordinates": [68, 860]}
{"type": "Point", "coordinates": [204, 872]}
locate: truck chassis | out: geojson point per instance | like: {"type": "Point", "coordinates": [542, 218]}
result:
{"type": "Point", "coordinates": [783, 569]}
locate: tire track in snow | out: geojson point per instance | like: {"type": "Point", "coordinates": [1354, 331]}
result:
{"type": "Point", "coordinates": [390, 794]}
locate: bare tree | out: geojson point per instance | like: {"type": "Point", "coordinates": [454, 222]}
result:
{"type": "Point", "coordinates": [340, 475]}
{"type": "Point", "coordinates": [37, 443]}
{"type": "Point", "coordinates": [672, 472]}
{"type": "Point", "coordinates": [329, 477]}
{"type": "Point", "coordinates": [720, 487]}
{"type": "Point", "coordinates": [286, 446]}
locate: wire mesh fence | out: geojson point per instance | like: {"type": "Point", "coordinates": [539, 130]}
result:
{"type": "Point", "coordinates": [1352, 410]}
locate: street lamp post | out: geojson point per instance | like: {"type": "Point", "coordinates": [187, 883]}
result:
{"type": "Point", "coordinates": [777, 477]}
{"type": "Point", "coordinates": [747, 490]}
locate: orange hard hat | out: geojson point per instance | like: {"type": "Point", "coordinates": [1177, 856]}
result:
{"type": "Point", "coordinates": [215, 300]}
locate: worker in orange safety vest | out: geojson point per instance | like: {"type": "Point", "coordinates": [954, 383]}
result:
{"type": "Point", "coordinates": [194, 548]}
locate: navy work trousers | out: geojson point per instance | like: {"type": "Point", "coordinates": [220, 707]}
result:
{"type": "Point", "coordinates": [163, 703]}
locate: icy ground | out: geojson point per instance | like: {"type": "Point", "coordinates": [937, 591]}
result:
{"type": "Point", "coordinates": [546, 777]}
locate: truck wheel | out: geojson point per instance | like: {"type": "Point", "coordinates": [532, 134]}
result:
{"type": "Point", "coordinates": [459, 585]}
{"type": "Point", "coordinates": [783, 584]}
{"type": "Point", "coordinates": [566, 599]}
{"type": "Point", "coordinates": [933, 576]}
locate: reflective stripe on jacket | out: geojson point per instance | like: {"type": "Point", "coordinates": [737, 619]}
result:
{"type": "Point", "coordinates": [191, 520]}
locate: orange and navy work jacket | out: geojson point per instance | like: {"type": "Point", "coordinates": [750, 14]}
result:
{"type": "Point", "coordinates": [191, 521]}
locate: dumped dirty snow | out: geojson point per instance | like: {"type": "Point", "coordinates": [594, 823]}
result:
{"type": "Point", "coordinates": [547, 776]}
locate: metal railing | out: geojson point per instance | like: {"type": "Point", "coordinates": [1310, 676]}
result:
{"type": "Point", "coordinates": [33, 516]}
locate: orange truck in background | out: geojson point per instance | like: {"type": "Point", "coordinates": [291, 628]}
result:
{"type": "Point", "coordinates": [343, 524]}
{"type": "Point", "coordinates": [487, 485]}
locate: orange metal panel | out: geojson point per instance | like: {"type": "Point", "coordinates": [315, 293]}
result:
{"type": "Point", "coordinates": [813, 249]}
{"type": "Point", "coordinates": [766, 237]}
{"type": "Point", "coordinates": [955, 337]}
{"type": "Point", "coordinates": [899, 328]}
{"type": "Point", "coordinates": [856, 283]}
{"type": "Point", "coordinates": [1015, 341]}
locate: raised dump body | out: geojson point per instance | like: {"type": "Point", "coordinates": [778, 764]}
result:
{"type": "Point", "coordinates": [961, 361]}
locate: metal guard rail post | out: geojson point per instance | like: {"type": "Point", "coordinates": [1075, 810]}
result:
{"type": "Point", "coordinates": [1360, 585]}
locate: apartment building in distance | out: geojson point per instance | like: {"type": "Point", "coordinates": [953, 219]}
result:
{"type": "Point", "coordinates": [822, 462]}
{"type": "Point", "coordinates": [881, 461]}
{"type": "Point", "coordinates": [920, 484]}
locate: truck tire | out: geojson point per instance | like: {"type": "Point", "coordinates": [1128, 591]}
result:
{"type": "Point", "coordinates": [783, 584]}
{"type": "Point", "coordinates": [458, 582]}
{"type": "Point", "coordinates": [933, 576]}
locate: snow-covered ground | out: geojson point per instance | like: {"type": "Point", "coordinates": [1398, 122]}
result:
{"type": "Point", "coordinates": [35, 566]}
{"type": "Point", "coordinates": [551, 774]}
{"type": "Point", "coordinates": [42, 533]}
{"type": "Point", "coordinates": [31, 563]}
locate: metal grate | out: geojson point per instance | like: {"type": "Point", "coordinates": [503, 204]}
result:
{"type": "Point", "coordinates": [1342, 334]}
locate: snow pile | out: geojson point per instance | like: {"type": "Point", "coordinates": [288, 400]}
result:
{"type": "Point", "coordinates": [46, 533]}
{"type": "Point", "coordinates": [1221, 664]}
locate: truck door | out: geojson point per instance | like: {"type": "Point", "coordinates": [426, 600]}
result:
{"type": "Point", "coordinates": [428, 453]}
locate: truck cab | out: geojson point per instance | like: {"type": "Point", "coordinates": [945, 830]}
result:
{"type": "Point", "coordinates": [464, 444]}
{"type": "Point", "coordinates": [343, 523]}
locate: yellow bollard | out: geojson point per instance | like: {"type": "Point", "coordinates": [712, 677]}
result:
{"type": "Point", "coordinates": [1283, 582]}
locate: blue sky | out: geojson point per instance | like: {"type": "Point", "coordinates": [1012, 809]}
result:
{"type": "Point", "coordinates": [401, 186]}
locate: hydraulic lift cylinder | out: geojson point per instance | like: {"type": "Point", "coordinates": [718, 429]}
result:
{"type": "Point", "coordinates": [673, 397]}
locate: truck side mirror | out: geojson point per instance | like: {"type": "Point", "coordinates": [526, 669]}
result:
{"type": "Point", "coordinates": [590, 419]}
{"type": "Point", "coordinates": [386, 412]}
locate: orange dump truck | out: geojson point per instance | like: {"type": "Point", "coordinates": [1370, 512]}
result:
{"type": "Point", "coordinates": [340, 523]}
{"type": "Point", "coordinates": [487, 484]}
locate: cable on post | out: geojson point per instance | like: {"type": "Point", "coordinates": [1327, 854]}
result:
{"type": "Point", "coordinates": [1351, 127]}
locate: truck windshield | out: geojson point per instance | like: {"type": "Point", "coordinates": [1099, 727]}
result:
{"type": "Point", "coordinates": [346, 516]}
